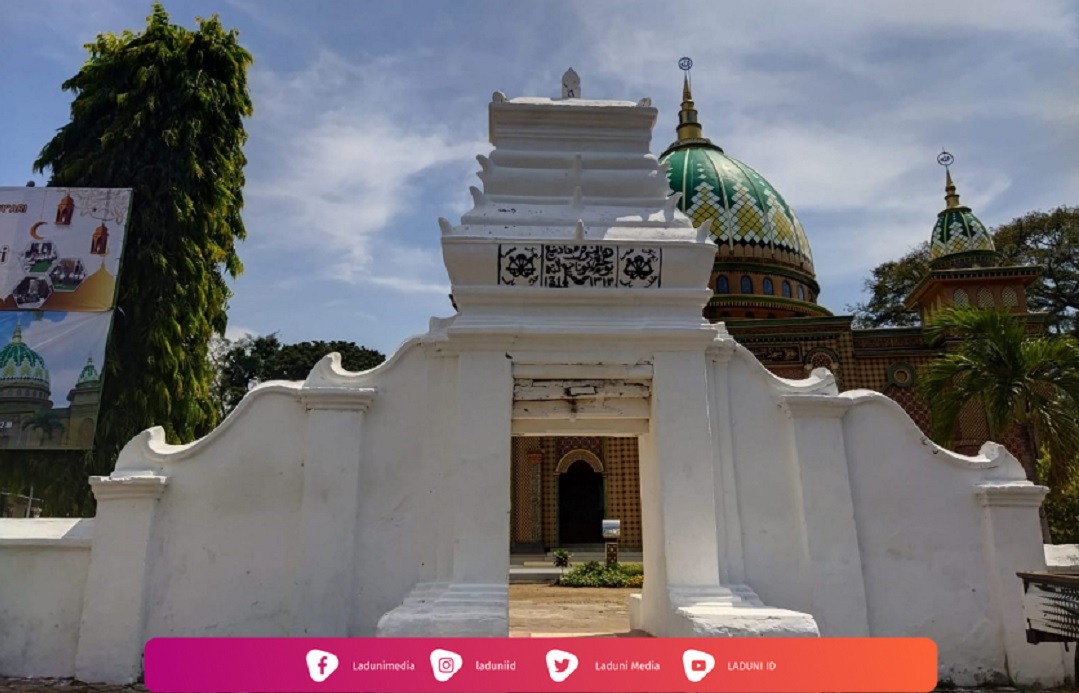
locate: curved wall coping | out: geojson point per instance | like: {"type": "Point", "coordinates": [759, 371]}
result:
{"type": "Point", "coordinates": [990, 456]}
{"type": "Point", "coordinates": [329, 372]}
{"type": "Point", "coordinates": [820, 380]}
{"type": "Point", "coordinates": [328, 386]}
{"type": "Point", "coordinates": [152, 445]}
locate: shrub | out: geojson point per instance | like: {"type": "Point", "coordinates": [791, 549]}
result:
{"type": "Point", "coordinates": [561, 558]}
{"type": "Point", "coordinates": [1062, 508]}
{"type": "Point", "coordinates": [594, 574]}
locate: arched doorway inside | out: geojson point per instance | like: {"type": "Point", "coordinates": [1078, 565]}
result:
{"type": "Point", "coordinates": [580, 504]}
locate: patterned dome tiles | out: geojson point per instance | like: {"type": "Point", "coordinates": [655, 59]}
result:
{"type": "Point", "coordinates": [744, 208]}
{"type": "Point", "coordinates": [958, 231]}
{"type": "Point", "coordinates": [20, 362]}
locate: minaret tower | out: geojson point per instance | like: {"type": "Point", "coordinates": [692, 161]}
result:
{"type": "Point", "coordinates": [965, 264]}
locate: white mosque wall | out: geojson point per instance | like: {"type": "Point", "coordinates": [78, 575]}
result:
{"type": "Point", "coordinates": [766, 477]}
{"type": "Point", "coordinates": [43, 567]}
{"type": "Point", "coordinates": [922, 536]}
{"type": "Point", "coordinates": [317, 507]}
{"type": "Point", "coordinates": [849, 513]}
{"type": "Point", "coordinates": [403, 502]}
{"type": "Point", "coordinates": [223, 546]}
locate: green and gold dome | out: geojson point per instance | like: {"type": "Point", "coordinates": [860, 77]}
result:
{"type": "Point", "coordinates": [89, 374]}
{"type": "Point", "coordinates": [959, 238]}
{"type": "Point", "coordinates": [764, 265]}
{"type": "Point", "coordinates": [19, 362]}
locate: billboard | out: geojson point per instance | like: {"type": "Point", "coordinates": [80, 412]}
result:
{"type": "Point", "coordinates": [60, 251]}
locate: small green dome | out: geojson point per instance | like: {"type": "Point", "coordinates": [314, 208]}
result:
{"type": "Point", "coordinates": [745, 210]}
{"type": "Point", "coordinates": [89, 374]}
{"type": "Point", "coordinates": [20, 362]}
{"type": "Point", "coordinates": [959, 238]}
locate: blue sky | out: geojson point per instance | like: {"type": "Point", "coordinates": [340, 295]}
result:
{"type": "Point", "coordinates": [368, 117]}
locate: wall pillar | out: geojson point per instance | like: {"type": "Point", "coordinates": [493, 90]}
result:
{"type": "Point", "coordinates": [831, 534]}
{"type": "Point", "coordinates": [684, 470]}
{"type": "Point", "coordinates": [1011, 531]}
{"type": "Point", "coordinates": [728, 514]}
{"type": "Point", "coordinates": [474, 602]}
{"type": "Point", "coordinates": [482, 475]}
{"type": "Point", "coordinates": [111, 633]}
{"type": "Point", "coordinates": [328, 510]}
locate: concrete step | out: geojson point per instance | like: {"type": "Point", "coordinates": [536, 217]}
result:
{"type": "Point", "coordinates": [576, 559]}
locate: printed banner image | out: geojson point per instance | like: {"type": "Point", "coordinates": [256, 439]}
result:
{"type": "Point", "coordinates": [50, 378]}
{"type": "Point", "coordinates": [60, 247]}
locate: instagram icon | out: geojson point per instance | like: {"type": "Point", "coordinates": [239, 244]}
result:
{"type": "Point", "coordinates": [444, 664]}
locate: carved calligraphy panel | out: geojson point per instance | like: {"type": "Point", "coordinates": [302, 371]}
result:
{"type": "Point", "coordinates": [519, 265]}
{"type": "Point", "coordinates": [578, 265]}
{"type": "Point", "coordinates": [638, 268]}
{"type": "Point", "coordinates": [562, 266]}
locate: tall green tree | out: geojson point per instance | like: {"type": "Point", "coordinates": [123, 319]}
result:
{"type": "Point", "coordinates": [252, 360]}
{"type": "Point", "coordinates": [1051, 241]}
{"type": "Point", "coordinates": [1027, 384]}
{"type": "Point", "coordinates": [889, 285]}
{"type": "Point", "coordinates": [160, 111]}
{"type": "Point", "coordinates": [1047, 239]}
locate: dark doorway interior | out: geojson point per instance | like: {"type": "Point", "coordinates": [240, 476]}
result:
{"type": "Point", "coordinates": [580, 505]}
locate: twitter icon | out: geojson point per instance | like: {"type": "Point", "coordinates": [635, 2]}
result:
{"type": "Point", "coordinates": [560, 665]}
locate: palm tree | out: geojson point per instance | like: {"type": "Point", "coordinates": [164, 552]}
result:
{"type": "Point", "coordinates": [45, 420]}
{"type": "Point", "coordinates": [1023, 383]}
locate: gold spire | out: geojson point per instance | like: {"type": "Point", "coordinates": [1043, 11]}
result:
{"type": "Point", "coordinates": [688, 127]}
{"type": "Point", "coordinates": [16, 337]}
{"type": "Point", "coordinates": [950, 195]}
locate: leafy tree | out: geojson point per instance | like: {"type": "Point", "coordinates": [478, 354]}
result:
{"type": "Point", "coordinates": [1027, 384]}
{"type": "Point", "coordinates": [1050, 240]}
{"type": "Point", "coordinates": [889, 285]}
{"type": "Point", "coordinates": [252, 360]}
{"type": "Point", "coordinates": [1047, 239]}
{"type": "Point", "coordinates": [160, 111]}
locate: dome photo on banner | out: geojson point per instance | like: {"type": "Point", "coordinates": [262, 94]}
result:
{"type": "Point", "coordinates": [60, 248]}
{"type": "Point", "coordinates": [50, 378]}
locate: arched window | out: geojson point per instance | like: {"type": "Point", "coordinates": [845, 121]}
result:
{"type": "Point", "coordinates": [747, 284]}
{"type": "Point", "coordinates": [801, 293]}
{"type": "Point", "coordinates": [768, 287]}
{"type": "Point", "coordinates": [723, 285]}
{"type": "Point", "coordinates": [786, 289]}
{"type": "Point", "coordinates": [751, 315]}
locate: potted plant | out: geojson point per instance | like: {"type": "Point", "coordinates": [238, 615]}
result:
{"type": "Point", "coordinates": [561, 559]}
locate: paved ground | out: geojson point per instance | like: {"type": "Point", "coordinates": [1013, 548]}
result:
{"type": "Point", "coordinates": [538, 610]}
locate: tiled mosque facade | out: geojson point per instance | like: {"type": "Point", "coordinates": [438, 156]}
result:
{"type": "Point", "coordinates": [765, 291]}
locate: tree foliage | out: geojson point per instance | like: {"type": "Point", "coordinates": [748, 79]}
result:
{"type": "Point", "coordinates": [1029, 384]}
{"type": "Point", "coordinates": [1051, 241]}
{"type": "Point", "coordinates": [890, 284]}
{"type": "Point", "coordinates": [1047, 239]}
{"type": "Point", "coordinates": [252, 360]}
{"type": "Point", "coordinates": [160, 111]}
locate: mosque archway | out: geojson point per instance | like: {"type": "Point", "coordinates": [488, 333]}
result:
{"type": "Point", "coordinates": [580, 503]}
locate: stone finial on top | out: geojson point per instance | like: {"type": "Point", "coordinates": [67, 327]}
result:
{"type": "Point", "coordinates": [571, 85]}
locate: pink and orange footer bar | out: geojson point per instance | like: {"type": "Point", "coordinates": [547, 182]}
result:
{"type": "Point", "coordinates": [533, 665]}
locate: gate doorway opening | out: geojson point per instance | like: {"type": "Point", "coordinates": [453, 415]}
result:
{"type": "Point", "coordinates": [562, 488]}
{"type": "Point", "coordinates": [580, 505]}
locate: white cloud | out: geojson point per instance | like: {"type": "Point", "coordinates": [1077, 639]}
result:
{"type": "Point", "coordinates": [347, 147]}
{"type": "Point", "coordinates": [235, 332]}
